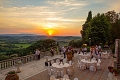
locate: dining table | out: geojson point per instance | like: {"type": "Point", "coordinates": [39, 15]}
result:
{"type": "Point", "coordinates": [84, 55]}
{"type": "Point", "coordinates": [89, 62]}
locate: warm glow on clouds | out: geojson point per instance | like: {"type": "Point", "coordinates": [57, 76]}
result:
{"type": "Point", "coordinates": [49, 17]}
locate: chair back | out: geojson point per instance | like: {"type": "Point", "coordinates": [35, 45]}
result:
{"type": "Point", "coordinates": [52, 77]}
{"type": "Point", "coordinates": [66, 76]}
{"type": "Point", "coordinates": [64, 60]}
{"type": "Point", "coordinates": [75, 78]}
{"type": "Point", "coordinates": [52, 61]}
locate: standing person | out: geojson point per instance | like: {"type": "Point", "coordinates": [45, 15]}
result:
{"type": "Point", "coordinates": [52, 52]}
{"type": "Point", "coordinates": [99, 48]}
{"type": "Point", "coordinates": [91, 51]}
{"type": "Point", "coordinates": [60, 50]}
{"type": "Point", "coordinates": [37, 53]}
{"type": "Point", "coordinates": [64, 52]}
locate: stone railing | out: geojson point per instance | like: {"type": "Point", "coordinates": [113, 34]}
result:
{"type": "Point", "coordinates": [116, 52]}
{"type": "Point", "coordinates": [24, 59]}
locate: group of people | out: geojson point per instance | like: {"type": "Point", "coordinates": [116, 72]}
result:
{"type": "Point", "coordinates": [37, 53]}
{"type": "Point", "coordinates": [95, 51]}
{"type": "Point", "coordinates": [66, 49]}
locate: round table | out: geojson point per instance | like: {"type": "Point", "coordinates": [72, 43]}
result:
{"type": "Point", "coordinates": [56, 65]}
{"type": "Point", "coordinates": [88, 63]}
{"type": "Point", "coordinates": [104, 55]}
{"type": "Point", "coordinates": [84, 55]}
{"type": "Point", "coordinates": [60, 67]}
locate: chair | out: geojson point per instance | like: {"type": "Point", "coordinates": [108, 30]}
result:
{"type": "Point", "coordinates": [64, 60]}
{"type": "Point", "coordinates": [57, 60]}
{"type": "Point", "coordinates": [75, 78]}
{"type": "Point", "coordinates": [52, 61]}
{"type": "Point", "coordinates": [93, 67]}
{"type": "Point", "coordinates": [63, 71]}
{"type": "Point", "coordinates": [98, 65]}
{"type": "Point", "coordinates": [52, 77]}
{"type": "Point", "coordinates": [66, 76]}
{"type": "Point", "coordinates": [70, 70]}
{"type": "Point", "coordinates": [58, 72]}
{"type": "Point", "coordinates": [70, 62]}
{"type": "Point", "coordinates": [82, 66]}
{"type": "Point", "coordinates": [50, 70]}
{"type": "Point", "coordinates": [78, 63]}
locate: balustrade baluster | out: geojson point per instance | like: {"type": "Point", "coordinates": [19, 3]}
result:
{"type": "Point", "coordinates": [5, 64]}
{"type": "Point", "coordinates": [0, 65]}
{"type": "Point", "coordinates": [11, 62]}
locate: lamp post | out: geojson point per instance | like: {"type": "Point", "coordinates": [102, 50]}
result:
{"type": "Point", "coordinates": [90, 41]}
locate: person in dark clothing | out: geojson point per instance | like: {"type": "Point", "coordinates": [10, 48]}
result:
{"type": "Point", "coordinates": [52, 51]}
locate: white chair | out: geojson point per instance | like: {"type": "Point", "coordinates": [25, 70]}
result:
{"type": "Point", "coordinates": [70, 70]}
{"type": "Point", "coordinates": [64, 60]}
{"type": "Point", "coordinates": [78, 63]}
{"type": "Point", "coordinates": [82, 66]}
{"type": "Point", "coordinates": [66, 76]}
{"type": "Point", "coordinates": [50, 70]}
{"type": "Point", "coordinates": [52, 61]}
{"type": "Point", "coordinates": [52, 77]}
{"type": "Point", "coordinates": [99, 61]}
{"type": "Point", "coordinates": [75, 78]}
{"type": "Point", "coordinates": [93, 67]}
{"type": "Point", "coordinates": [98, 65]}
{"type": "Point", "coordinates": [58, 72]}
{"type": "Point", "coordinates": [71, 63]}
{"type": "Point", "coordinates": [63, 71]}
{"type": "Point", "coordinates": [57, 60]}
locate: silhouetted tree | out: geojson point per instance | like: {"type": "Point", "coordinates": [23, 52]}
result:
{"type": "Point", "coordinates": [85, 26]}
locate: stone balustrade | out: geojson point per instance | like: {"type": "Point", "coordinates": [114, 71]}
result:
{"type": "Point", "coordinates": [24, 59]}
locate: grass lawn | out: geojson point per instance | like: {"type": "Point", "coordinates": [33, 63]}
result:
{"type": "Point", "coordinates": [22, 45]}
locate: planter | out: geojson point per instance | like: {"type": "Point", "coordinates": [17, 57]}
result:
{"type": "Point", "coordinates": [12, 77]}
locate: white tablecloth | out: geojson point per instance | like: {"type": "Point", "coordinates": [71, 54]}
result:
{"type": "Point", "coordinates": [60, 65]}
{"type": "Point", "coordinates": [104, 55]}
{"type": "Point", "coordinates": [84, 55]}
{"type": "Point", "coordinates": [88, 63]}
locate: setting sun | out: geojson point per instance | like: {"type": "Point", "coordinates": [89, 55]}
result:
{"type": "Point", "coordinates": [50, 32]}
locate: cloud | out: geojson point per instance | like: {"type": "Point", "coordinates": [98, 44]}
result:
{"type": "Point", "coordinates": [114, 5]}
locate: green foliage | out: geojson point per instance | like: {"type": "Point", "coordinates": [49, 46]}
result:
{"type": "Point", "coordinates": [42, 45]}
{"type": "Point", "coordinates": [86, 26]}
{"type": "Point", "coordinates": [11, 72]}
{"type": "Point", "coordinates": [99, 30]}
{"type": "Point", "coordinates": [76, 43]}
{"type": "Point", "coordinates": [114, 19]}
{"type": "Point", "coordinates": [3, 57]}
{"type": "Point", "coordinates": [112, 47]}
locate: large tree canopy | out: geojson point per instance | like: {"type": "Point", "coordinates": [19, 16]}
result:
{"type": "Point", "coordinates": [99, 30]}
{"type": "Point", "coordinates": [114, 19]}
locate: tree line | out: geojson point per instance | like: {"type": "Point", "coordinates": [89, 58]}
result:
{"type": "Point", "coordinates": [102, 28]}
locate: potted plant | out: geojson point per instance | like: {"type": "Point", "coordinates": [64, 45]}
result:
{"type": "Point", "coordinates": [11, 75]}
{"type": "Point", "coordinates": [116, 71]}
{"type": "Point", "coordinates": [69, 55]}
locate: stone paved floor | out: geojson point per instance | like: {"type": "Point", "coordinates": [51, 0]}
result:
{"type": "Point", "coordinates": [81, 74]}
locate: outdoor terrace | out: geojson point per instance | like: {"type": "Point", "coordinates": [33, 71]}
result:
{"type": "Point", "coordinates": [36, 70]}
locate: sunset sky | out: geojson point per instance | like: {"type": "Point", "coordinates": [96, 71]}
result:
{"type": "Point", "coordinates": [50, 17]}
